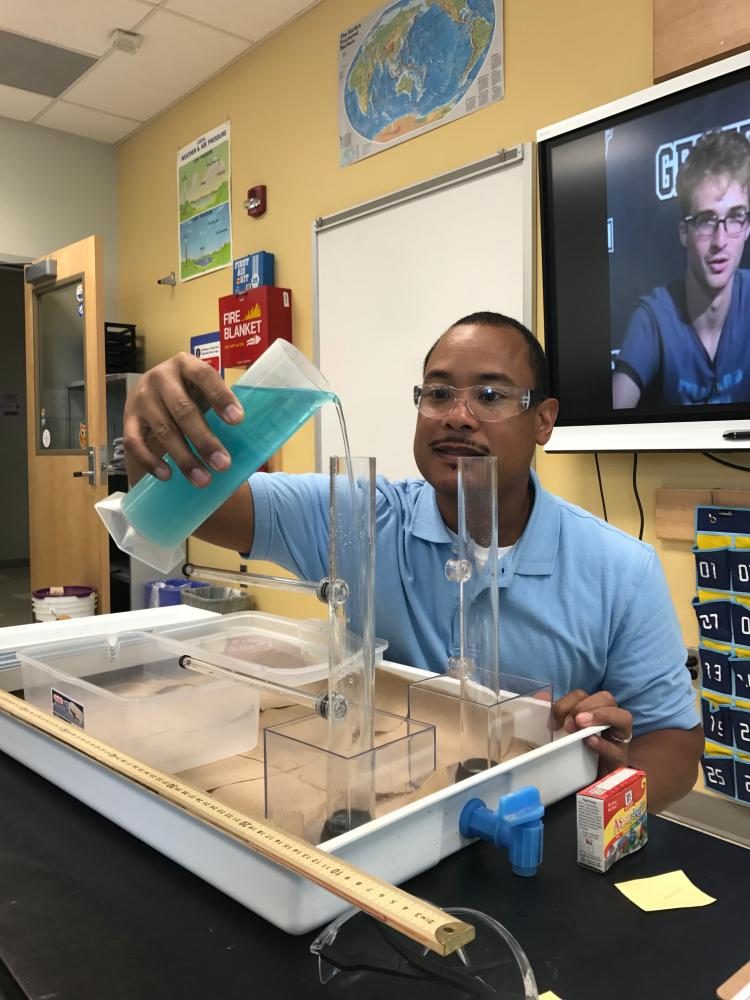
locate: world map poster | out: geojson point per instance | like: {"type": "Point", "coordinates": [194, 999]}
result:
{"type": "Point", "coordinates": [205, 224]}
{"type": "Point", "coordinates": [414, 65]}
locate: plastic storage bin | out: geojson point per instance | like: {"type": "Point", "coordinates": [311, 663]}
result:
{"type": "Point", "coordinates": [129, 691]}
{"type": "Point", "coordinates": [282, 649]}
{"type": "Point", "coordinates": [222, 600]}
{"type": "Point", "coordinates": [161, 593]}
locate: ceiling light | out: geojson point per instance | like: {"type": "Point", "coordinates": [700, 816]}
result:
{"type": "Point", "coordinates": [126, 41]}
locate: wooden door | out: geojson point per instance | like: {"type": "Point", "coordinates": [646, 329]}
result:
{"type": "Point", "coordinates": [66, 428]}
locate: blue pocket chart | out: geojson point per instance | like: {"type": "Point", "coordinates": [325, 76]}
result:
{"type": "Point", "coordinates": [717, 722]}
{"type": "Point", "coordinates": [722, 610]}
{"type": "Point", "coordinates": [712, 568]}
{"type": "Point", "coordinates": [717, 671]}
{"type": "Point", "coordinates": [719, 774]}
{"type": "Point", "coordinates": [742, 779]}
{"type": "Point", "coordinates": [740, 624]}
{"type": "Point", "coordinates": [714, 620]}
{"type": "Point", "coordinates": [741, 677]}
{"type": "Point", "coordinates": [739, 570]}
{"type": "Point", "coordinates": [741, 728]}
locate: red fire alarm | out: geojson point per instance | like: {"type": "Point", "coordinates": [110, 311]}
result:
{"type": "Point", "coordinates": [256, 201]}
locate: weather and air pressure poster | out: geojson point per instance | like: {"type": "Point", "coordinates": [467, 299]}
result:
{"type": "Point", "coordinates": [205, 222]}
{"type": "Point", "coordinates": [414, 65]}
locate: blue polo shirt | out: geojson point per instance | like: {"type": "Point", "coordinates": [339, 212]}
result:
{"type": "Point", "coordinates": [582, 604]}
{"type": "Point", "coordinates": [661, 351]}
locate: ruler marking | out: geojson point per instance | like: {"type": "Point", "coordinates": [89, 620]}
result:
{"type": "Point", "coordinates": [400, 910]}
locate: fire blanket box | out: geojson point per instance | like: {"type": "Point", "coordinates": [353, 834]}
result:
{"type": "Point", "coordinates": [250, 322]}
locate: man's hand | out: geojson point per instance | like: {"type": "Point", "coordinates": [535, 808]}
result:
{"type": "Point", "coordinates": [668, 756]}
{"type": "Point", "coordinates": [161, 413]}
{"type": "Point", "coordinates": [579, 710]}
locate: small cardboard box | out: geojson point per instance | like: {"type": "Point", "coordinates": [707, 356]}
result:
{"type": "Point", "coordinates": [611, 818]}
{"type": "Point", "coordinates": [253, 271]}
{"type": "Point", "coordinates": [250, 323]}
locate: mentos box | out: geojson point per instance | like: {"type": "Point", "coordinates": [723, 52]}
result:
{"type": "Point", "coordinates": [253, 271]}
{"type": "Point", "coordinates": [207, 347]}
{"type": "Point", "coordinates": [611, 818]}
{"type": "Point", "coordinates": [249, 323]}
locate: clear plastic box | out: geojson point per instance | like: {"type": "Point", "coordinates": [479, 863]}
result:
{"type": "Point", "coordinates": [129, 691]}
{"type": "Point", "coordinates": [281, 649]}
{"type": "Point", "coordinates": [476, 733]}
{"type": "Point", "coordinates": [318, 793]}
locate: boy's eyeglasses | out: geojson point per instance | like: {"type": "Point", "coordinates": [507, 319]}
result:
{"type": "Point", "coordinates": [706, 223]}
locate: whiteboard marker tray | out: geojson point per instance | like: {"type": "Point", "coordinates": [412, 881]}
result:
{"type": "Point", "coordinates": [395, 847]}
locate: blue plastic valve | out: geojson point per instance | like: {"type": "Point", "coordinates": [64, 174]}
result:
{"type": "Point", "coordinates": [516, 824]}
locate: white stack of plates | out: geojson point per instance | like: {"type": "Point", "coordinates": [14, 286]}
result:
{"type": "Point", "coordinates": [73, 602]}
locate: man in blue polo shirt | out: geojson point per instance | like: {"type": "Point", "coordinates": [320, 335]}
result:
{"type": "Point", "coordinates": [689, 342]}
{"type": "Point", "coordinates": [582, 604]}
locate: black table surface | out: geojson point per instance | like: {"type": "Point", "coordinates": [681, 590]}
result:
{"type": "Point", "coordinates": [87, 912]}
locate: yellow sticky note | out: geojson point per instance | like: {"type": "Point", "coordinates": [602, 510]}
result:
{"type": "Point", "coordinates": [671, 891]}
{"type": "Point", "coordinates": [549, 995]}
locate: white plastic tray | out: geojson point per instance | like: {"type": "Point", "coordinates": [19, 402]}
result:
{"type": "Point", "coordinates": [395, 847]}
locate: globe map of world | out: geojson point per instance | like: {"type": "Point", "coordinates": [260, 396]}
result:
{"type": "Point", "coordinates": [415, 63]}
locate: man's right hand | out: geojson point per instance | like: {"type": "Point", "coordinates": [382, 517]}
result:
{"type": "Point", "coordinates": [161, 412]}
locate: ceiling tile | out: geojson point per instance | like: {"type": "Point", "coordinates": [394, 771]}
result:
{"type": "Point", "coordinates": [36, 66]}
{"type": "Point", "coordinates": [252, 19]}
{"type": "Point", "coordinates": [86, 122]}
{"type": "Point", "coordinates": [176, 56]}
{"type": "Point", "coordinates": [83, 25]}
{"type": "Point", "coordinates": [236, 16]}
{"type": "Point", "coordinates": [20, 104]}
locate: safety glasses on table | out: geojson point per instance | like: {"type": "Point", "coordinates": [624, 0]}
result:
{"type": "Point", "coordinates": [492, 965]}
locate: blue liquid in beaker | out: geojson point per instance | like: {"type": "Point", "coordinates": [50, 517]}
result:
{"type": "Point", "coordinates": [166, 512]}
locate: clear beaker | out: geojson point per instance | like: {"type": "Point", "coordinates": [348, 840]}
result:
{"type": "Point", "coordinates": [279, 392]}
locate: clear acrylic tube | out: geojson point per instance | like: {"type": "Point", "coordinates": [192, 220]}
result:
{"type": "Point", "coordinates": [352, 622]}
{"type": "Point", "coordinates": [241, 579]}
{"type": "Point", "coordinates": [479, 607]}
{"type": "Point", "coordinates": [352, 632]}
{"type": "Point", "coordinates": [320, 704]}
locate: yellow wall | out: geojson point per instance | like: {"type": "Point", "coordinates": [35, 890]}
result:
{"type": "Point", "coordinates": [562, 56]}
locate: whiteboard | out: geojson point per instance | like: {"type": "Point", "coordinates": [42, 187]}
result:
{"type": "Point", "coordinates": [390, 276]}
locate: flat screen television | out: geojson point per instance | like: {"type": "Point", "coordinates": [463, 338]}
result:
{"type": "Point", "coordinates": [646, 267]}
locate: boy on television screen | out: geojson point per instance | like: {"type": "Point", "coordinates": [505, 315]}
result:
{"type": "Point", "coordinates": [689, 342]}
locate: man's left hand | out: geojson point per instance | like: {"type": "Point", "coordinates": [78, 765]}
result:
{"type": "Point", "coordinates": [579, 710]}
